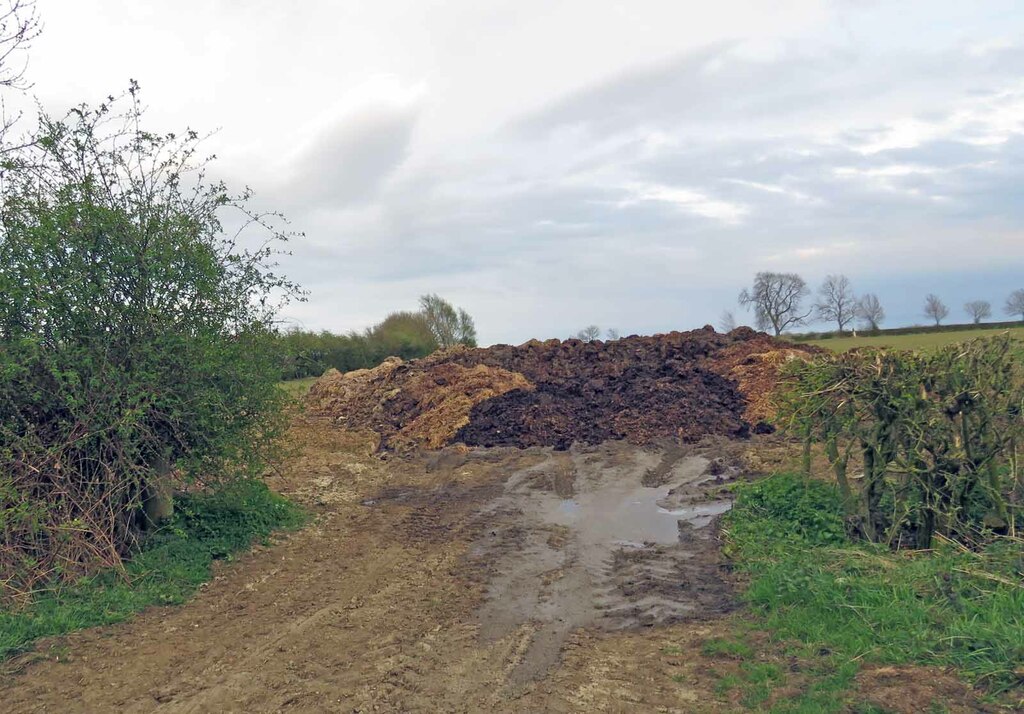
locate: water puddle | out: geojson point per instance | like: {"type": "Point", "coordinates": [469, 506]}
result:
{"type": "Point", "coordinates": [579, 540]}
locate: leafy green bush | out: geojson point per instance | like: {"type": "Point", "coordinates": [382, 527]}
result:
{"type": "Point", "coordinates": [401, 334]}
{"type": "Point", "coordinates": [169, 566]}
{"type": "Point", "coordinates": [310, 354]}
{"type": "Point", "coordinates": [136, 338]}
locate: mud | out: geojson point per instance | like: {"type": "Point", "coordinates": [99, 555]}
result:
{"type": "Point", "coordinates": [483, 580]}
{"type": "Point", "coordinates": [606, 551]}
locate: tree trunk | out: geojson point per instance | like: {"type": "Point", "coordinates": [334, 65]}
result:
{"type": "Point", "coordinates": [158, 494]}
{"type": "Point", "coordinates": [806, 460]}
{"type": "Point", "coordinates": [839, 468]}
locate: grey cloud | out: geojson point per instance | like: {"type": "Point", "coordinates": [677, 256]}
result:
{"type": "Point", "coordinates": [347, 162]}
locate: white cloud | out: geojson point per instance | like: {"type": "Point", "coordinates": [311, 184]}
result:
{"type": "Point", "coordinates": [688, 201]}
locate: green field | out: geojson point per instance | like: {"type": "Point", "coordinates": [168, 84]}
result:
{"type": "Point", "coordinates": [919, 341]}
{"type": "Point", "coordinates": [297, 388]}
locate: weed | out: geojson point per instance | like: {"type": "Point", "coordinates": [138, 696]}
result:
{"type": "Point", "coordinates": [718, 646]}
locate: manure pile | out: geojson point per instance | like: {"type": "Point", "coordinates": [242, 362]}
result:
{"type": "Point", "coordinates": [681, 385]}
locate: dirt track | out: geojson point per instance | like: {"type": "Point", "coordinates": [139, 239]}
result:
{"type": "Point", "coordinates": [449, 582]}
{"type": "Point", "coordinates": [459, 581]}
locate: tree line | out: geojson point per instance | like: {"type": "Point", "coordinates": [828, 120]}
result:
{"type": "Point", "coordinates": [779, 302]}
{"type": "Point", "coordinates": [437, 324]}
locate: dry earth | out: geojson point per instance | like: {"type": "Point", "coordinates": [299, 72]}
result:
{"type": "Point", "coordinates": [495, 580]}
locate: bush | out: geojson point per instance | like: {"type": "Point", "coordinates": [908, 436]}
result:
{"type": "Point", "coordinates": [937, 435]}
{"type": "Point", "coordinates": [136, 344]}
{"type": "Point", "coordinates": [408, 335]}
{"type": "Point", "coordinates": [310, 354]}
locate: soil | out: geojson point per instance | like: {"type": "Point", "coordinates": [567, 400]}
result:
{"type": "Point", "coordinates": [681, 386]}
{"type": "Point", "coordinates": [410, 405]}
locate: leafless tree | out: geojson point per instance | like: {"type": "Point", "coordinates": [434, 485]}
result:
{"type": "Point", "coordinates": [836, 301]}
{"type": "Point", "coordinates": [777, 300]}
{"type": "Point", "coordinates": [19, 26]}
{"type": "Point", "coordinates": [612, 334]}
{"type": "Point", "coordinates": [935, 308]}
{"type": "Point", "coordinates": [978, 310]}
{"type": "Point", "coordinates": [869, 309]}
{"type": "Point", "coordinates": [1015, 304]}
{"type": "Point", "coordinates": [589, 333]}
{"type": "Point", "coordinates": [727, 322]}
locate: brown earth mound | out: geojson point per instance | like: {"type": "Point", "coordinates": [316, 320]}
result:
{"type": "Point", "coordinates": [754, 365]}
{"type": "Point", "coordinates": [409, 404]}
{"type": "Point", "coordinates": [681, 386]}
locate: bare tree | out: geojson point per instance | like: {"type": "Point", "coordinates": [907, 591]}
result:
{"type": "Point", "coordinates": [836, 301]}
{"type": "Point", "coordinates": [935, 308]}
{"type": "Point", "coordinates": [978, 310]}
{"type": "Point", "coordinates": [1015, 304]}
{"type": "Point", "coordinates": [727, 322]}
{"type": "Point", "coordinates": [612, 334]}
{"type": "Point", "coordinates": [19, 26]}
{"type": "Point", "coordinates": [869, 309]}
{"type": "Point", "coordinates": [589, 333]}
{"type": "Point", "coordinates": [777, 300]}
{"type": "Point", "coordinates": [450, 326]}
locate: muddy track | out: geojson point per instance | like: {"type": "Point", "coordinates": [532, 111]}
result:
{"type": "Point", "coordinates": [458, 581]}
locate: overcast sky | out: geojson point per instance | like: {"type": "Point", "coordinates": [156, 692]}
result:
{"type": "Point", "coordinates": [549, 164]}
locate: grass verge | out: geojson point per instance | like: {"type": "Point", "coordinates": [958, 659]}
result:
{"type": "Point", "coordinates": [839, 605]}
{"type": "Point", "coordinates": [170, 565]}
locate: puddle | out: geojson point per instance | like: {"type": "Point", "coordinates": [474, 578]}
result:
{"type": "Point", "coordinates": [578, 540]}
{"type": "Point", "coordinates": [700, 515]}
{"type": "Point", "coordinates": [618, 512]}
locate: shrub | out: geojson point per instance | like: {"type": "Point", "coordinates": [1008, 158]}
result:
{"type": "Point", "coordinates": [135, 339]}
{"type": "Point", "coordinates": [937, 435]}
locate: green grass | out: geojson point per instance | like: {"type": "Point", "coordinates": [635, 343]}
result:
{"type": "Point", "coordinates": [171, 564]}
{"type": "Point", "coordinates": [862, 603]}
{"type": "Point", "coordinates": [919, 341]}
{"type": "Point", "coordinates": [297, 388]}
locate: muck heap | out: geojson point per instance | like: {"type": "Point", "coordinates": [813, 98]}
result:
{"type": "Point", "coordinates": [681, 386]}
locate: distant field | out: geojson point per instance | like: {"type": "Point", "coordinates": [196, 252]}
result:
{"type": "Point", "coordinates": [298, 387]}
{"type": "Point", "coordinates": [920, 341]}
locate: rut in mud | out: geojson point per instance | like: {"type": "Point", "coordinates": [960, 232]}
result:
{"type": "Point", "coordinates": [577, 540]}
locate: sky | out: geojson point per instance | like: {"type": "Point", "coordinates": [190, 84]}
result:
{"type": "Point", "coordinates": [550, 164]}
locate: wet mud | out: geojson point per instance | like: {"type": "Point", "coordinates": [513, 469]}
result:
{"type": "Point", "coordinates": [486, 580]}
{"type": "Point", "coordinates": [577, 540]}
